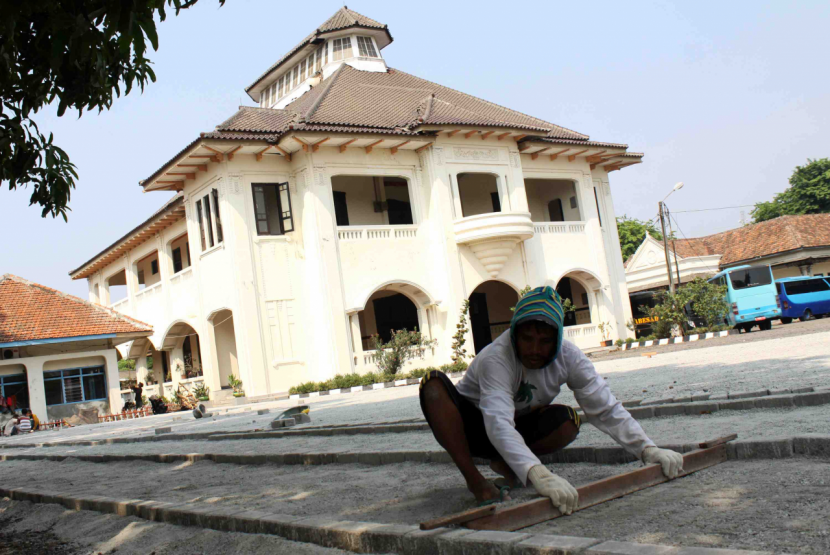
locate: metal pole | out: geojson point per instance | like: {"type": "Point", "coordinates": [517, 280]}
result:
{"type": "Point", "coordinates": [666, 246]}
{"type": "Point", "coordinates": [673, 246]}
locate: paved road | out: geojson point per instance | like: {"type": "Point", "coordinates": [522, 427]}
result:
{"type": "Point", "coordinates": [796, 329]}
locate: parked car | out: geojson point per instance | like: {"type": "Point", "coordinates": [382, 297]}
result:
{"type": "Point", "coordinates": [803, 297]}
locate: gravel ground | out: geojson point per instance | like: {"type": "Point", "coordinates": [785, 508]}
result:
{"type": "Point", "coordinates": [777, 505]}
{"type": "Point", "coordinates": [755, 424]}
{"type": "Point", "coordinates": [778, 330]}
{"type": "Point", "coordinates": [34, 529]}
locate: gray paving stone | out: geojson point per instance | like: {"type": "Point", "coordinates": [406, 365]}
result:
{"type": "Point", "coordinates": [312, 530]}
{"type": "Point", "coordinates": [277, 524]}
{"type": "Point", "coordinates": [687, 399]}
{"type": "Point", "coordinates": [701, 408]}
{"type": "Point", "coordinates": [448, 543]}
{"type": "Point", "coordinates": [420, 542]}
{"type": "Point", "coordinates": [805, 389]}
{"type": "Point", "coordinates": [719, 397]}
{"type": "Point", "coordinates": [780, 391]}
{"type": "Point", "coordinates": [632, 403]}
{"type": "Point", "coordinates": [417, 456]}
{"type": "Point", "coordinates": [387, 538]}
{"type": "Point", "coordinates": [440, 457]}
{"type": "Point", "coordinates": [812, 445]}
{"type": "Point", "coordinates": [740, 404]}
{"type": "Point", "coordinates": [812, 399]}
{"type": "Point", "coordinates": [749, 394]}
{"type": "Point", "coordinates": [627, 548]}
{"type": "Point", "coordinates": [283, 423]}
{"type": "Point", "coordinates": [613, 455]}
{"type": "Point", "coordinates": [164, 430]}
{"type": "Point", "coordinates": [369, 458]}
{"type": "Point", "coordinates": [717, 551]}
{"type": "Point", "coordinates": [490, 542]}
{"type": "Point", "coordinates": [292, 458]}
{"type": "Point", "coordinates": [657, 402]}
{"type": "Point", "coordinates": [769, 449]}
{"type": "Point", "coordinates": [347, 458]}
{"type": "Point", "coordinates": [275, 458]}
{"type": "Point", "coordinates": [263, 411]}
{"type": "Point", "coordinates": [779, 401]}
{"type": "Point", "coordinates": [702, 397]}
{"type": "Point", "coordinates": [393, 457]}
{"type": "Point", "coordinates": [348, 535]}
{"type": "Point", "coordinates": [641, 413]}
{"type": "Point", "coordinates": [553, 545]}
{"type": "Point", "coordinates": [669, 410]}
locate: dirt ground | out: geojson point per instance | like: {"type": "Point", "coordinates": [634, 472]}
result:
{"type": "Point", "coordinates": [769, 505]}
{"type": "Point", "coordinates": [34, 529]}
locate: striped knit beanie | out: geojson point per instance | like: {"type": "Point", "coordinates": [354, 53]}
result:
{"type": "Point", "coordinates": [542, 304]}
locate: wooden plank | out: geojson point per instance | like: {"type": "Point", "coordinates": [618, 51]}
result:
{"type": "Point", "coordinates": [503, 135]}
{"type": "Point", "coordinates": [316, 146]}
{"type": "Point", "coordinates": [470, 134]}
{"type": "Point", "coordinates": [573, 156]}
{"type": "Point", "coordinates": [459, 518]}
{"type": "Point", "coordinates": [344, 145]}
{"type": "Point", "coordinates": [716, 442]}
{"type": "Point", "coordinates": [540, 510]}
{"type": "Point", "coordinates": [396, 147]}
{"type": "Point", "coordinates": [369, 147]}
{"type": "Point", "coordinates": [422, 148]}
{"type": "Point", "coordinates": [555, 154]}
{"type": "Point", "coordinates": [232, 152]}
{"type": "Point", "coordinates": [485, 135]}
{"type": "Point", "coordinates": [451, 133]}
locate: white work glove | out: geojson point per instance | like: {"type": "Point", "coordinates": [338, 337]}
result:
{"type": "Point", "coordinates": [671, 461]}
{"type": "Point", "coordinates": [563, 495]}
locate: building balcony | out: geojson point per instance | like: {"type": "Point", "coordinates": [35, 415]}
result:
{"type": "Point", "coordinates": [493, 236]}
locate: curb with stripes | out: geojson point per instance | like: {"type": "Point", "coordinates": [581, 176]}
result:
{"type": "Point", "coordinates": [358, 537]}
{"type": "Point", "coordinates": [674, 340]}
{"type": "Point", "coordinates": [810, 445]}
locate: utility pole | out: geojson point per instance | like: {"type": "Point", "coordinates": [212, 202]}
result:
{"type": "Point", "coordinates": [673, 247]}
{"type": "Point", "coordinates": [666, 246]}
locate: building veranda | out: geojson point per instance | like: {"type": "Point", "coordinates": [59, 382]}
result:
{"type": "Point", "coordinates": [355, 200]}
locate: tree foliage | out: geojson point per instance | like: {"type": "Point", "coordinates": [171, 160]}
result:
{"type": "Point", "coordinates": [80, 54]}
{"type": "Point", "coordinates": [706, 300]}
{"type": "Point", "coordinates": [460, 336]}
{"type": "Point", "coordinates": [632, 232]}
{"type": "Point", "coordinates": [808, 193]}
{"type": "Point", "coordinates": [403, 346]}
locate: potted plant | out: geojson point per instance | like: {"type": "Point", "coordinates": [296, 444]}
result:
{"type": "Point", "coordinates": [201, 392]}
{"type": "Point", "coordinates": [605, 330]}
{"type": "Point", "coordinates": [236, 384]}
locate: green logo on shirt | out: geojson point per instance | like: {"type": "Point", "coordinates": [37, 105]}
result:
{"type": "Point", "coordinates": [525, 392]}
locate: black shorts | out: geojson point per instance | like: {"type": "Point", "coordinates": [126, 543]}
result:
{"type": "Point", "coordinates": [532, 426]}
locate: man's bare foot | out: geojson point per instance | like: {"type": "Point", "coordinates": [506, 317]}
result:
{"type": "Point", "coordinates": [502, 469]}
{"type": "Point", "coordinates": [485, 491]}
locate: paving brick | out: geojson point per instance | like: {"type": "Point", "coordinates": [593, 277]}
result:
{"type": "Point", "coordinates": [276, 458]}
{"type": "Point", "coordinates": [812, 445]}
{"type": "Point", "coordinates": [669, 410]}
{"type": "Point", "coordinates": [775, 402]}
{"type": "Point", "coordinates": [448, 543]}
{"type": "Point", "coordinates": [369, 458]}
{"type": "Point", "coordinates": [422, 541]}
{"type": "Point", "coordinates": [632, 403]}
{"type": "Point", "coordinates": [701, 408]}
{"type": "Point", "coordinates": [347, 458]}
{"type": "Point", "coordinates": [263, 411]}
{"type": "Point", "coordinates": [769, 449]}
{"type": "Point", "coordinates": [312, 530]}
{"type": "Point", "coordinates": [164, 430]}
{"type": "Point", "coordinates": [283, 423]}
{"type": "Point", "coordinates": [719, 397]}
{"type": "Point", "coordinates": [347, 535]}
{"type": "Point", "coordinates": [579, 454]}
{"type": "Point", "coordinates": [780, 391]}
{"type": "Point", "coordinates": [278, 524]}
{"type": "Point", "coordinates": [490, 542]}
{"type": "Point", "coordinates": [198, 514]}
{"type": "Point", "coordinates": [613, 455]}
{"type": "Point", "coordinates": [641, 413]}
{"type": "Point", "coordinates": [805, 390]}
{"type": "Point", "coordinates": [741, 404]}
{"type": "Point", "coordinates": [812, 399]}
{"type": "Point", "coordinates": [553, 545]}
{"type": "Point", "coordinates": [416, 456]}
{"type": "Point", "coordinates": [627, 548]}
{"type": "Point", "coordinates": [388, 538]}
{"type": "Point", "coordinates": [312, 459]}
{"type": "Point", "coordinates": [749, 394]}
{"type": "Point", "coordinates": [701, 397]}
{"type": "Point", "coordinates": [292, 458]}
{"type": "Point", "coordinates": [440, 457]}
{"type": "Point", "coordinates": [393, 457]}
{"type": "Point", "coordinates": [657, 402]}
{"type": "Point", "coordinates": [687, 399]}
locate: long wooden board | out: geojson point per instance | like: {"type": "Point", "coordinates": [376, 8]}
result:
{"type": "Point", "coordinates": [539, 510]}
{"type": "Point", "coordinates": [458, 518]}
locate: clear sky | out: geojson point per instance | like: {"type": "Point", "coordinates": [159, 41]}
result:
{"type": "Point", "coordinates": [727, 97]}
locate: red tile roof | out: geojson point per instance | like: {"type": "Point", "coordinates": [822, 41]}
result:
{"type": "Point", "coordinates": [780, 235]}
{"type": "Point", "coordinates": [29, 311]}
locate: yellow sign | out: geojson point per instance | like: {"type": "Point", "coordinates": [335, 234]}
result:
{"type": "Point", "coordinates": [646, 320]}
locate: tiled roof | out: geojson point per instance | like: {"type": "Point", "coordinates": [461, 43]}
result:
{"type": "Point", "coordinates": [342, 19]}
{"type": "Point", "coordinates": [29, 311]}
{"type": "Point", "coordinates": [780, 235]}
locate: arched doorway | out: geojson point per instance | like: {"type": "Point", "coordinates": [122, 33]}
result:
{"type": "Point", "coordinates": [490, 313]}
{"type": "Point", "coordinates": [573, 289]}
{"type": "Point", "coordinates": [386, 310]}
{"type": "Point", "coordinates": [225, 337]}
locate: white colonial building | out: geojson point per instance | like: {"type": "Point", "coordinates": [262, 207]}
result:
{"type": "Point", "coordinates": [358, 199]}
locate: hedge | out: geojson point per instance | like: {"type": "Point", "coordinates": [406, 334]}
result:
{"type": "Point", "coordinates": [341, 381]}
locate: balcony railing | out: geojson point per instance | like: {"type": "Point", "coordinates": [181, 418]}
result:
{"type": "Point", "coordinates": [121, 305]}
{"type": "Point", "coordinates": [584, 330]}
{"type": "Point", "coordinates": [559, 227]}
{"type": "Point", "coordinates": [372, 232]}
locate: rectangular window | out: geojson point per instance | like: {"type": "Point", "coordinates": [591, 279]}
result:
{"type": "Point", "coordinates": [366, 47]}
{"type": "Point", "coordinates": [154, 267]}
{"type": "Point", "coordinates": [599, 213]}
{"type": "Point", "coordinates": [74, 386]}
{"type": "Point", "coordinates": [272, 208]}
{"type": "Point", "coordinates": [177, 260]}
{"type": "Point", "coordinates": [208, 222]}
{"type": "Point", "coordinates": [281, 87]}
{"type": "Point", "coordinates": [219, 236]}
{"type": "Point", "coordinates": [296, 75]}
{"type": "Point", "coordinates": [319, 59]}
{"type": "Point", "coordinates": [341, 49]}
{"type": "Point", "coordinates": [745, 278]}
{"type": "Point", "coordinates": [325, 53]}
{"type": "Point", "coordinates": [494, 198]}
{"type": "Point", "coordinates": [302, 70]}
{"type": "Point", "coordinates": [341, 209]}
{"type": "Point", "coordinates": [803, 287]}
{"type": "Point", "coordinates": [201, 223]}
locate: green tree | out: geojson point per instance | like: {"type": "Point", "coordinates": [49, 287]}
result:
{"type": "Point", "coordinates": [808, 193]}
{"type": "Point", "coordinates": [79, 54]}
{"type": "Point", "coordinates": [460, 337]}
{"type": "Point", "coordinates": [126, 365]}
{"type": "Point", "coordinates": [632, 232]}
{"type": "Point", "coordinates": [708, 301]}
{"type": "Point", "coordinates": [403, 346]}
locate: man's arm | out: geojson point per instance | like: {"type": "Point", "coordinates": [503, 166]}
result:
{"type": "Point", "coordinates": [602, 409]}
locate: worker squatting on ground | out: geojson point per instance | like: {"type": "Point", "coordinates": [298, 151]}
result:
{"type": "Point", "coordinates": [501, 410]}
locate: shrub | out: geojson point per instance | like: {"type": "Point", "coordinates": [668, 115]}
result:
{"type": "Point", "coordinates": [618, 342]}
{"type": "Point", "coordinates": [201, 391]}
{"type": "Point", "coordinates": [341, 381]}
{"type": "Point", "coordinates": [403, 346]}
{"type": "Point", "coordinates": [629, 340]}
{"type": "Point", "coordinates": [235, 383]}
{"type": "Point", "coordinates": [460, 337]}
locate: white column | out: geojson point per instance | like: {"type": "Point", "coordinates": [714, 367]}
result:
{"type": "Point", "coordinates": [141, 369]}
{"type": "Point", "coordinates": [177, 364]}
{"type": "Point", "coordinates": [37, 393]}
{"type": "Point", "coordinates": [357, 341]}
{"type": "Point", "coordinates": [113, 384]}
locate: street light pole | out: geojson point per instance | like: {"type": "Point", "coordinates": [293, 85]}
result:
{"type": "Point", "coordinates": [666, 246]}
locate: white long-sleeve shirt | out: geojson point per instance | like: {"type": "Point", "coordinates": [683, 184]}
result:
{"type": "Point", "coordinates": [493, 383]}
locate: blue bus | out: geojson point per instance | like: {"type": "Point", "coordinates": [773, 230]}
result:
{"type": "Point", "coordinates": [803, 297]}
{"type": "Point", "coordinates": [752, 297]}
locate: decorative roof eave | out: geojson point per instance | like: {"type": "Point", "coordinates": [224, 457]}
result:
{"type": "Point", "coordinates": [496, 130]}
{"type": "Point", "coordinates": [607, 156]}
{"type": "Point", "coordinates": [307, 138]}
{"type": "Point", "coordinates": [166, 216]}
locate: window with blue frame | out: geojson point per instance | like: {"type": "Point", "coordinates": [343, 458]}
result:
{"type": "Point", "coordinates": [74, 386]}
{"type": "Point", "coordinates": [14, 385]}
